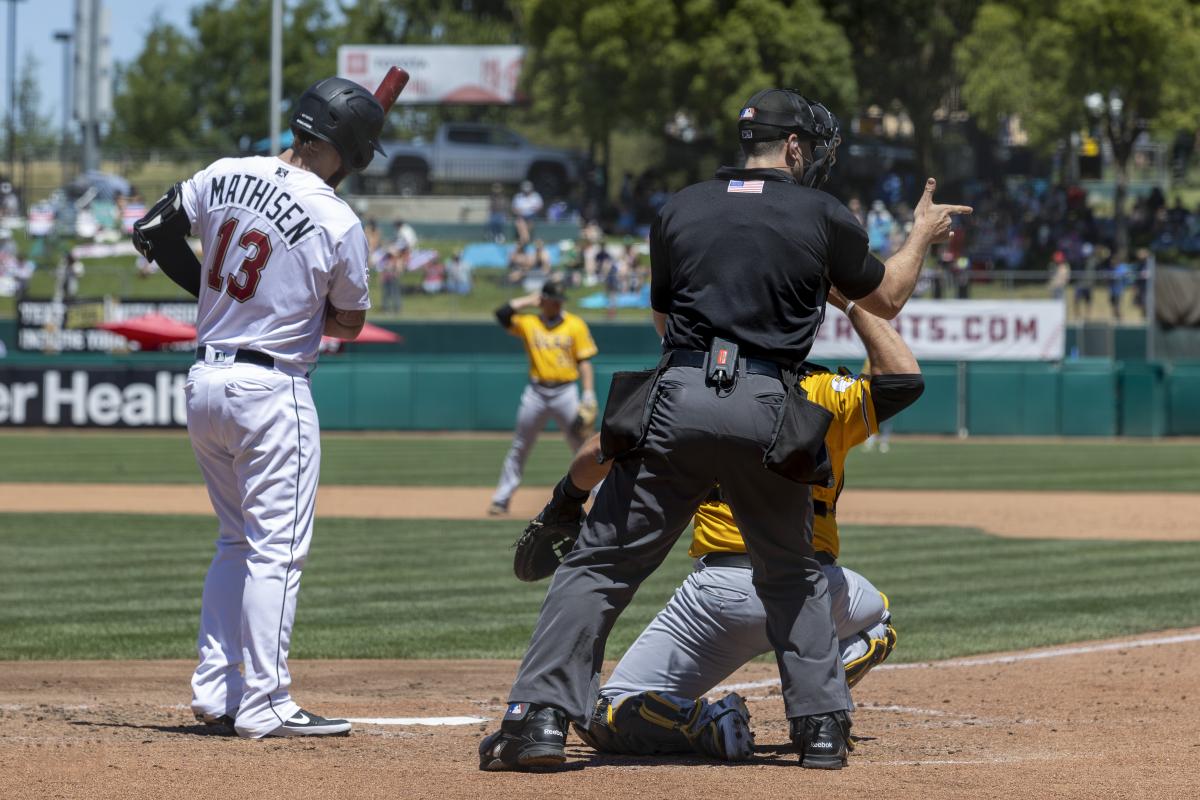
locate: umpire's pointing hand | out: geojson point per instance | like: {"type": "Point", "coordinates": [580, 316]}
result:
{"type": "Point", "coordinates": [935, 219]}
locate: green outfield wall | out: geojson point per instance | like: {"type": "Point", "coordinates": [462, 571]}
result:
{"type": "Point", "coordinates": [469, 376]}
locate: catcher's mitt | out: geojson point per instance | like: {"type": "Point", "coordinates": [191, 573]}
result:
{"type": "Point", "coordinates": [585, 419]}
{"type": "Point", "coordinates": [547, 540]}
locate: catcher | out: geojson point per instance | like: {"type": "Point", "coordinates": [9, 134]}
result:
{"type": "Point", "coordinates": [715, 622]}
{"type": "Point", "coordinates": [559, 346]}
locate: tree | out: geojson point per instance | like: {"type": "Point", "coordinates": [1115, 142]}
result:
{"type": "Point", "coordinates": [596, 66]}
{"type": "Point", "coordinates": [155, 105]}
{"type": "Point", "coordinates": [232, 40]}
{"type": "Point", "coordinates": [1121, 67]}
{"type": "Point", "coordinates": [903, 52]}
{"type": "Point", "coordinates": [210, 90]}
{"type": "Point", "coordinates": [33, 130]}
{"type": "Point", "coordinates": [428, 22]}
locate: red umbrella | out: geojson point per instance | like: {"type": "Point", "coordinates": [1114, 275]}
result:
{"type": "Point", "coordinates": [371, 334]}
{"type": "Point", "coordinates": [152, 331]}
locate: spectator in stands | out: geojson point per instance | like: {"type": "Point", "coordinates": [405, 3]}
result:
{"type": "Point", "coordinates": [1118, 282]}
{"type": "Point", "coordinates": [497, 214]}
{"type": "Point", "coordinates": [458, 275]}
{"type": "Point", "coordinates": [1060, 275]}
{"type": "Point", "coordinates": [526, 206]}
{"type": "Point", "coordinates": [856, 208]}
{"type": "Point", "coordinates": [67, 276]}
{"type": "Point", "coordinates": [406, 236]}
{"type": "Point", "coordinates": [371, 229]}
{"type": "Point", "coordinates": [1143, 269]}
{"type": "Point", "coordinates": [392, 267]}
{"type": "Point", "coordinates": [879, 229]}
{"type": "Point", "coordinates": [1083, 285]}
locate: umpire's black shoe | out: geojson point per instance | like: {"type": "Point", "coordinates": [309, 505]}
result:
{"type": "Point", "coordinates": [530, 737]}
{"type": "Point", "coordinates": [822, 739]}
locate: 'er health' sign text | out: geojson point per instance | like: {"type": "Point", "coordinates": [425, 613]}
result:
{"type": "Point", "coordinates": [126, 398]}
{"type": "Point", "coordinates": [960, 330]}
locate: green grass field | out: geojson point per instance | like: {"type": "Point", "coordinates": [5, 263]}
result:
{"type": "Point", "coordinates": [114, 586]}
{"type": "Point", "coordinates": [433, 460]}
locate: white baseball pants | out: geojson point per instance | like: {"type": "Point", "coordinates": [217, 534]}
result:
{"type": "Point", "coordinates": [257, 440]}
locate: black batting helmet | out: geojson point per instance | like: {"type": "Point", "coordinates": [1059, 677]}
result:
{"type": "Point", "coordinates": [344, 114]}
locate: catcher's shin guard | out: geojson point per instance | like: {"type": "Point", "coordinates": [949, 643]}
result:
{"type": "Point", "coordinates": [654, 723]}
{"type": "Point", "coordinates": [880, 640]}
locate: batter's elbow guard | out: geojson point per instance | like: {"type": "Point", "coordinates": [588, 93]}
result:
{"type": "Point", "coordinates": [165, 221]}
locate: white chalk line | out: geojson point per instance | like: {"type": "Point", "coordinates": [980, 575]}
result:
{"type": "Point", "coordinates": [418, 720]}
{"type": "Point", "coordinates": [983, 661]}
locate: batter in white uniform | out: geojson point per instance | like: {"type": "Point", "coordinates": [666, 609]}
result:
{"type": "Point", "coordinates": [285, 260]}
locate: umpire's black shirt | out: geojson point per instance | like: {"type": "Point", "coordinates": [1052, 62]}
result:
{"type": "Point", "coordinates": [748, 257]}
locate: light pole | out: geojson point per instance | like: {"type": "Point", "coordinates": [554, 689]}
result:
{"type": "Point", "coordinates": [64, 38]}
{"type": "Point", "coordinates": [12, 88]}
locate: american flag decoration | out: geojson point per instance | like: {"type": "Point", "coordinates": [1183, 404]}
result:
{"type": "Point", "coordinates": [745, 187]}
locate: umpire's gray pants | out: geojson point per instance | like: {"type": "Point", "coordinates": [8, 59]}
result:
{"type": "Point", "coordinates": [538, 405]}
{"type": "Point", "coordinates": [715, 623]}
{"type": "Point", "coordinates": [695, 439]}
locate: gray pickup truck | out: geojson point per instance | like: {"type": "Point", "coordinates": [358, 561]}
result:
{"type": "Point", "coordinates": [471, 153]}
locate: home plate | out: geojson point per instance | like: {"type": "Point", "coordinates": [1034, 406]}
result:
{"type": "Point", "coordinates": [419, 720]}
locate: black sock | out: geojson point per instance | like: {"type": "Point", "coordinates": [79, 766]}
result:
{"type": "Point", "coordinates": [570, 491]}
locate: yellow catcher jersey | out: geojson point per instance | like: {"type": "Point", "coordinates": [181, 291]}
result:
{"type": "Point", "coordinates": [849, 398]}
{"type": "Point", "coordinates": [554, 352]}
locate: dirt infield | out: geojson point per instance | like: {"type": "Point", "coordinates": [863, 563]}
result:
{"type": "Point", "coordinates": [1111, 721]}
{"type": "Point", "coordinates": [1075, 515]}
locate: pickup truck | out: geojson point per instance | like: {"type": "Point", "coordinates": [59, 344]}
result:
{"type": "Point", "coordinates": [471, 153]}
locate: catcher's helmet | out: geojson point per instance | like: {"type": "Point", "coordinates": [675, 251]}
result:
{"type": "Point", "coordinates": [344, 114]}
{"type": "Point", "coordinates": [775, 113]}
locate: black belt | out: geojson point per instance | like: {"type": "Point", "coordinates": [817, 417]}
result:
{"type": "Point", "coordinates": [243, 356]}
{"type": "Point", "coordinates": [749, 366]}
{"type": "Point", "coordinates": [742, 560]}
{"type": "Point", "coordinates": [739, 560]}
{"type": "Point", "coordinates": [550, 384]}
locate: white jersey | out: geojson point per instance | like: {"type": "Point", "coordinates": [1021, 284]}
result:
{"type": "Point", "coordinates": [278, 244]}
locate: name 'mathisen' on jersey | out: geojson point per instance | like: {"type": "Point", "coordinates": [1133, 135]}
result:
{"type": "Point", "coordinates": [279, 244]}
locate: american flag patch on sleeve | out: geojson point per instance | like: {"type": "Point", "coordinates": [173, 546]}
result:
{"type": "Point", "coordinates": [745, 187]}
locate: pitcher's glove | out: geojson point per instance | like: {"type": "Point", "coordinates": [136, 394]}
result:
{"type": "Point", "coordinates": [547, 540]}
{"type": "Point", "coordinates": [585, 417]}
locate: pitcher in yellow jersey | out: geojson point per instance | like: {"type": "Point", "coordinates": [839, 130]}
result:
{"type": "Point", "coordinates": [559, 346]}
{"type": "Point", "coordinates": [715, 622]}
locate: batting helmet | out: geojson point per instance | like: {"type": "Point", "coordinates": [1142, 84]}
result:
{"type": "Point", "coordinates": [344, 114]}
{"type": "Point", "coordinates": [775, 113]}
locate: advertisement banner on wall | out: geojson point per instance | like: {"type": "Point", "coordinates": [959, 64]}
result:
{"type": "Point", "coordinates": [439, 74]}
{"type": "Point", "coordinates": [960, 330]}
{"type": "Point", "coordinates": [72, 327]}
{"type": "Point", "coordinates": [85, 397]}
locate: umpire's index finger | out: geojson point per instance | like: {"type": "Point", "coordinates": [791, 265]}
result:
{"type": "Point", "coordinates": [959, 209]}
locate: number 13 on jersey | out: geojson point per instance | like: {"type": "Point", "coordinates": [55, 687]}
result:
{"type": "Point", "coordinates": [242, 284]}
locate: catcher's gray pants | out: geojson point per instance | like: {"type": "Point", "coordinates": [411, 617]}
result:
{"type": "Point", "coordinates": [695, 438]}
{"type": "Point", "coordinates": [715, 623]}
{"type": "Point", "coordinates": [538, 404]}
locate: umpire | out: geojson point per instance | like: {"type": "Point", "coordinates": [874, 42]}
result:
{"type": "Point", "coordinates": [740, 269]}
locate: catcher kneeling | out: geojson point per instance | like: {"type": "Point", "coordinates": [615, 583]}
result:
{"type": "Point", "coordinates": [715, 623]}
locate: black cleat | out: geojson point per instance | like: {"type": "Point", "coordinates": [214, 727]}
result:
{"type": "Point", "coordinates": [306, 723]}
{"type": "Point", "coordinates": [530, 737]}
{"type": "Point", "coordinates": [823, 740]}
{"type": "Point", "coordinates": [222, 725]}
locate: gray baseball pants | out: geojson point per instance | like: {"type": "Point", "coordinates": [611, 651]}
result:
{"type": "Point", "coordinates": [696, 437]}
{"type": "Point", "coordinates": [715, 623]}
{"type": "Point", "coordinates": [538, 405]}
